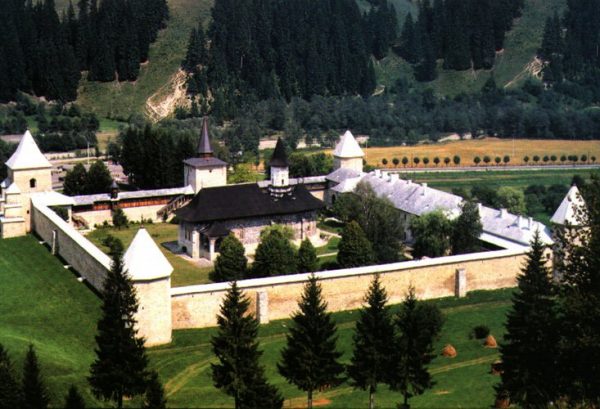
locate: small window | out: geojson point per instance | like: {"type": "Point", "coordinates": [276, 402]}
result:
{"type": "Point", "coordinates": [32, 183]}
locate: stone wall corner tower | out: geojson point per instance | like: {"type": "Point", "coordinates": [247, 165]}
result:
{"type": "Point", "coordinates": [204, 170]}
{"type": "Point", "coordinates": [348, 154]}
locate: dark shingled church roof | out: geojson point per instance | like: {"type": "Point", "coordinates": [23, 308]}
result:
{"type": "Point", "coordinates": [245, 201]}
{"type": "Point", "coordinates": [279, 158]}
{"type": "Point", "coordinates": [204, 147]}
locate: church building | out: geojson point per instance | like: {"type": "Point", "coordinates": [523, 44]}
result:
{"type": "Point", "coordinates": [242, 209]}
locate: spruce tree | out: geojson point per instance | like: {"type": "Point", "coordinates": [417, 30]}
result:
{"type": "Point", "coordinates": [231, 262]}
{"type": "Point", "coordinates": [10, 390]}
{"type": "Point", "coordinates": [369, 365]}
{"type": "Point", "coordinates": [354, 249]}
{"type": "Point", "coordinates": [120, 367]}
{"type": "Point", "coordinates": [310, 359]}
{"type": "Point", "coordinates": [529, 358]}
{"type": "Point", "coordinates": [155, 394]}
{"type": "Point", "coordinates": [75, 181]}
{"type": "Point", "coordinates": [74, 400]}
{"type": "Point", "coordinates": [274, 256]}
{"type": "Point", "coordinates": [35, 394]}
{"type": "Point", "coordinates": [418, 326]}
{"type": "Point", "coordinates": [307, 257]}
{"type": "Point", "coordinates": [238, 371]}
{"type": "Point", "coordinates": [98, 178]}
{"type": "Point", "coordinates": [466, 229]}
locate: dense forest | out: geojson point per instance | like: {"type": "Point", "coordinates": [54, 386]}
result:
{"type": "Point", "coordinates": [44, 55]}
{"type": "Point", "coordinates": [464, 33]}
{"type": "Point", "coordinates": [571, 50]}
{"type": "Point", "coordinates": [277, 48]}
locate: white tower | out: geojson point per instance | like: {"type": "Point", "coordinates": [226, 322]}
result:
{"type": "Point", "coordinates": [280, 173]}
{"type": "Point", "coordinates": [348, 154]}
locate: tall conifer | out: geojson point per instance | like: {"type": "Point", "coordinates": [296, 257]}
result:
{"type": "Point", "coordinates": [10, 390]}
{"type": "Point", "coordinates": [35, 394]}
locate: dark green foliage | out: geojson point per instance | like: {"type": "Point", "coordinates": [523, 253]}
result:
{"type": "Point", "coordinates": [369, 365]}
{"type": "Point", "coordinates": [529, 350]}
{"type": "Point", "coordinates": [155, 394]}
{"type": "Point", "coordinates": [98, 178]}
{"type": "Point", "coordinates": [74, 400]}
{"type": "Point", "coordinates": [466, 229]}
{"type": "Point", "coordinates": [418, 327]}
{"type": "Point", "coordinates": [120, 367]}
{"type": "Point", "coordinates": [354, 249]}
{"type": "Point", "coordinates": [310, 359]}
{"type": "Point", "coordinates": [10, 390]}
{"type": "Point", "coordinates": [481, 331]}
{"type": "Point", "coordinates": [76, 181]}
{"type": "Point", "coordinates": [231, 262]}
{"type": "Point", "coordinates": [274, 256]}
{"type": "Point", "coordinates": [302, 165]}
{"type": "Point", "coordinates": [119, 218]}
{"type": "Point", "coordinates": [35, 393]}
{"type": "Point", "coordinates": [432, 233]}
{"type": "Point", "coordinates": [307, 257]}
{"type": "Point", "coordinates": [238, 371]}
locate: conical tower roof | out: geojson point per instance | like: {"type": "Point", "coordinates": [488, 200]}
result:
{"type": "Point", "coordinates": [279, 158]}
{"type": "Point", "coordinates": [144, 261]}
{"type": "Point", "coordinates": [28, 155]}
{"type": "Point", "coordinates": [347, 147]}
{"type": "Point", "coordinates": [204, 147]}
{"type": "Point", "coordinates": [569, 207]}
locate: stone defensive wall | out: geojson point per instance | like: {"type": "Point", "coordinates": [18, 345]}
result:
{"type": "Point", "coordinates": [80, 253]}
{"type": "Point", "coordinates": [276, 297]}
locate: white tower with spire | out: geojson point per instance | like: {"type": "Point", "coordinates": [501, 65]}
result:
{"type": "Point", "coordinates": [348, 154]}
{"type": "Point", "coordinates": [150, 272]}
{"type": "Point", "coordinates": [28, 172]}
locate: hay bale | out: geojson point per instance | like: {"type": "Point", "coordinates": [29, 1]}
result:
{"type": "Point", "coordinates": [502, 403]}
{"type": "Point", "coordinates": [497, 368]}
{"type": "Point", "coordinates": [449, 351]}
{"type": "Point", "coordinates": [490, 342]}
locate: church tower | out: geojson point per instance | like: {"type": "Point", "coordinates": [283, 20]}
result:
{"type": "Point", "coordinates": [204, 170]}
{"type": "Point", "coordinates": [348, 154]}
{"type": "Point", "coordinates": [28, 172]}
{"type": "Point", "coordinates": [280, 173]}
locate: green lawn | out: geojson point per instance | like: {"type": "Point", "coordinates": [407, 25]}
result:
{"type": "Point", "coordinates": [184, 273]}
{"type": "Point", "coordinates": [44, 304]}
{"type": "Point", "coordinates": [464, 381]}
{"type": "Point", "coordinates": [330, 247]}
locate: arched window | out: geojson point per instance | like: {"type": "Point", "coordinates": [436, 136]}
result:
{"type": "Point", "coordinates": [32, 183]}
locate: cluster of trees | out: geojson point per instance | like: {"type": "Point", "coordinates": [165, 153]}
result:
{"type": "Point", "coordinates": [275, 255]}
{"type": "Point", "coordinates": [268, 49]}
{"type": "Point", "coordinates": [437, 236]}
{"type": "Point", "coordinates": [570, 50]}
{"type": "Point", "coordinates": [425, 160]}
{"type": "Point", "coordinates": [43, 54]}
{"type": "Point", "coordinates": [549, 353]}
{"type": "Point", "coordinates": [6, 151]}
{"type": "Point", "coordinates": [80, 181]}
{"type": "Point", "coordinates": [465, 34]}
{"type": "Point", "coordinates": [392, 349]}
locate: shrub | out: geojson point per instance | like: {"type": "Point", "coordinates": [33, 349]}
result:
{"type": "Point", "coordinates": [481, 331]}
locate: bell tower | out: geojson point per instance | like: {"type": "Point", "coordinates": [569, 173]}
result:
{"type": "Point", "coordinates": [348, 154]}
{"type": "Point", "coordinates": [280, 171]}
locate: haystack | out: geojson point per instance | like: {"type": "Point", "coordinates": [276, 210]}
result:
{"type": "Point", "coordinates": [449, 351]}
{"type": "Point", "coordinates": [490, 342]}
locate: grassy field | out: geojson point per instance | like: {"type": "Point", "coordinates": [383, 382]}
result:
{"type": "Point", "coordinates": [43, 304]}
{"type": "Point", "coordinates": [184, 273]}
{"type": "Point", "coordinates": [464, 381]}
{"type": "Point", "coordinates": [492, 147]}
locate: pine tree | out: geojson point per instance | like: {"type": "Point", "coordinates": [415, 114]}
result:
{"type": "Point", "coordinates": [120, 367]}
{"type": "Point", "coordinates": [418, 326]}
{"type": "Point", "coordinates": [155, 394]}
{"type": "Point", "coordinates": [35, 394]}
{"type": "Point", "coordinates": [274, 256]}
{"type": "Point", "coordinates": [369, 365]}
{"type": "Point", "coordinates": [231, 262]}
{"type": "Point", "coordinates": [310, 359]}
{"type": "Point", "coordinates": [354, 249]}
{"type": "Point", "coordinates": [529, 349]}
{"type": "Point", "coordinates": [10, 390]}
{"type": "Point", "coordinates": [98, 178]}
{"type": "Point", "coordinates": [75, 181]}
{"type": "Point", "coordinates": [73, 400]}
{"type": "Point", "coordinates": [410, 49]}
{"type": "Point", "coordinates": [307, 257]}
{"type": "Point", "coordinates": [466, 229]}
{"type": "Point", "coordinates": [238, 371]}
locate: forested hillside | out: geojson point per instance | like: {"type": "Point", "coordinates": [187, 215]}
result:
{"type": "Point", "coordinates": [43, 54]}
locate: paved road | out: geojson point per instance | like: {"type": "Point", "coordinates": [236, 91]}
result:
{"type": "Point", "coordinates": [500, 168]}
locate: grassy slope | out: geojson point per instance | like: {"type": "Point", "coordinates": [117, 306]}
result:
{"type": "Point", "coordinates": [43, 304]}
{"type": "Point", "coordinates": [184, 366]}
{"type": "Point", "coordinates": [124, 99]}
